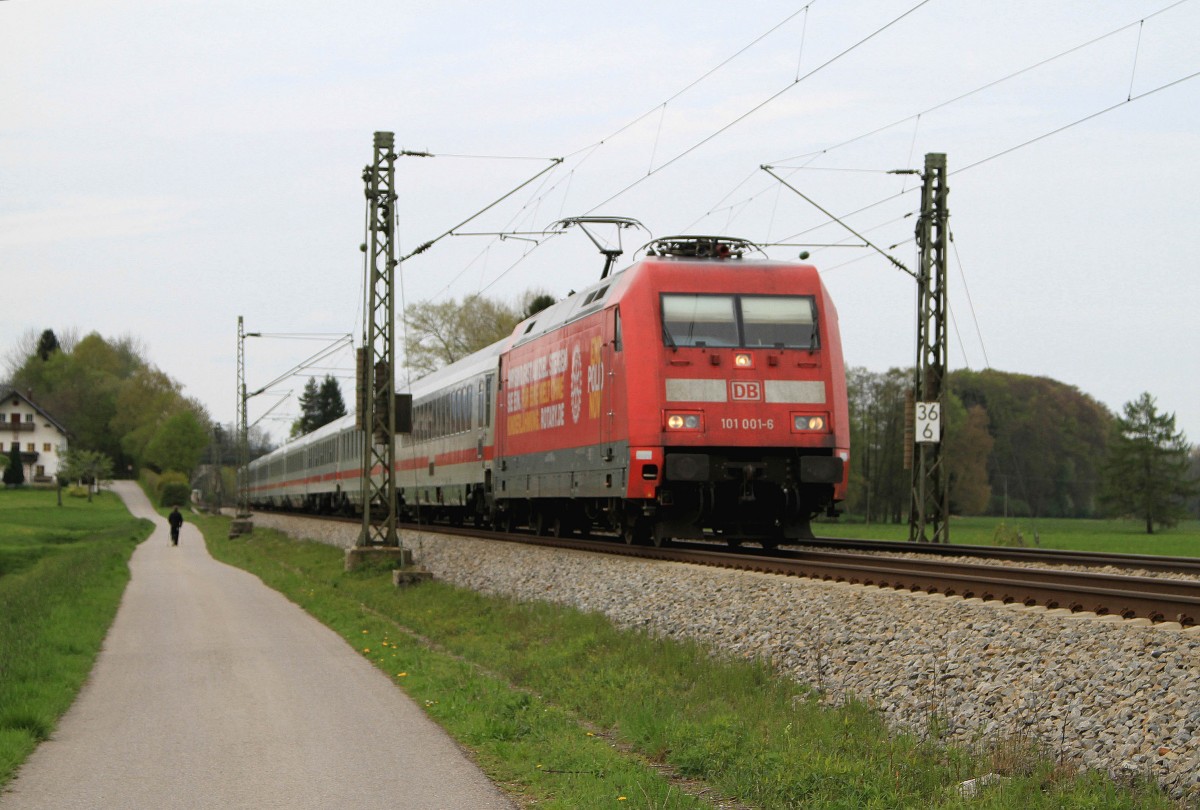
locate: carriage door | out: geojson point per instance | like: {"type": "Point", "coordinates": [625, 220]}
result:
{"type": "Point", "coordinates": [612, 418]}
{"type": "Point", "coordinates": [483, 415]}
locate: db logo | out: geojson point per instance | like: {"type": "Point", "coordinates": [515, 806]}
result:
{"type": "Point", "coordinates": [740, 391]}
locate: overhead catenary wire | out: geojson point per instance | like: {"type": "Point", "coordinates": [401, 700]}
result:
{"type": "Point", "coordinates": [554, 162]}
{"type": "Point", "coordinates": [775, 96]}
{"type": "Point", "coordinates": [596, 144]}
{"type": "Point", "coordinates": [591, 149]}
{"type": "Point", "coordinates": [338, 345]}
{"type": "Point", "coordinates": [811, 156]}
{"type": "Point", "coordinates": [1008, 150]}
{"type": "Point", "coordinates": [970, 304]}
{"type": "Point", "coordinates": [986, 86]}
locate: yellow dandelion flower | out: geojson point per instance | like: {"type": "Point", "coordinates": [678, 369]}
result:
{"type": "Point", "coordinates": [590, 734]}
{"type": "Point", "coordinates": [621, 799]}
{"type": "Point", "coordinates": [366, 649]}
{"type": "Point", "coordinates": [401, 674]}
{"type": "Point", "coordinates": [364, 631]}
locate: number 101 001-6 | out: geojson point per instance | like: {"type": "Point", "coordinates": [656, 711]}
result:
{"type": "Point", "coordinates": [747, 424]}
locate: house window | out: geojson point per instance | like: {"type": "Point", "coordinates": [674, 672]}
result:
{"type": "Point", "coordinates": [46, 447]}
{"type": "Point", "coordinates": [41, 471]}
{"type": "Point", "coordinates": [29, 418]}
{"type": "Point", "coordinates": [29, 448]}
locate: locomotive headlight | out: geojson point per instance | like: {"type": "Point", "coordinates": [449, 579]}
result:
{"type": "Point", "coordinates": [804, 423]}
{"type": "Point", "coordinates": [684, 421]}
{"type": "Point", "coordinates": [743, 360]}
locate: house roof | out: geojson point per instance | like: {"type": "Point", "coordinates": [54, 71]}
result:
{"type": "Point", "coordinates": [8, 392]}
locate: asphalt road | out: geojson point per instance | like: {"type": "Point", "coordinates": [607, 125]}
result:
{"type": "Point", "coordinates": [213, 691]}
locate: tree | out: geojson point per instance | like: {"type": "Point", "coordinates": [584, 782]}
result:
{"type": "Point", "coordinates": [332, 404]}
{"type": "Point", "coordinates": [88, 466]}
{"type": "Point", "coordinates": [441, 333]}
{"type": "Point", "coordinates": [309, 403]}
{"type": "Point", "coordinates": [144, 402]}
{"type": "Point", "coordinates": [178, 444]}
{"type": "Point", "coordinates": [535, 302]}
{"type": "Point", "coordinates": [47, 345]}
{"type": "Point", "coordinates": [1194, 472]}
{"type": "Point", "coordinates": [103, 391]}
{"type": "Point", "coordinates": [1050, 441]}
{"type": "Point", "coordinates": [879, 484]}
{"type": "Point", "coordinates": [1146, 473]}
{"type": "Point", "coordinates": [14, 473]}
{"type": "Point", "coordinates": [967, 449]}
{"type": "Point", "coordinates": [319, 405]}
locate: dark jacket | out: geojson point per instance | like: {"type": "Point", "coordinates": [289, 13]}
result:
{"type": "Point", "coordinates": [175, 519]}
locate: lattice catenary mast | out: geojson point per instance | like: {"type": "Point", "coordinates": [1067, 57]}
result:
{"type": "Point", "coordinates": [377, 400]}
{"type": "Point", "coordinates": [243, 438]}
{"type": "Point", "coordinates": [929, 510]}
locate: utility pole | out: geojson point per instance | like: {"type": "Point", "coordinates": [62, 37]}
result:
{"type": "Point", "coordinates": [377, 416]}
{"type": "Point", "coordinates": [241, 523]}
{"type": "Point", "coordinates": [929, 510]}
{"type": "Point", "coordinates": [243, 438]}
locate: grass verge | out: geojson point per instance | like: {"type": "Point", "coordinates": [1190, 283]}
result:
{"type": "Point", "coordinates": [1121, 536]}
{"type": "Point", "coordinates": [62, 572]}
{"type": "Point", "coordinates": [568, 712]}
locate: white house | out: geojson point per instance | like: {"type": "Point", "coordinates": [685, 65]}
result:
{"type": "Point", "coordinates": [39, 436]}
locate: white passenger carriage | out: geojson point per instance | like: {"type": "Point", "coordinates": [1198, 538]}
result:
{"type": "Point", "coordinates": [445, 464]}
{"type": "Point", "coordinates": [318, 472]}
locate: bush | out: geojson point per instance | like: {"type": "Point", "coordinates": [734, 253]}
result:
{"type": "Point", "coordinates": [1006, 536]}
{"type": "Point", "coordinates": [173, 489]}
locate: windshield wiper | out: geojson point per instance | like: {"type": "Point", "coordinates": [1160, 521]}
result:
{"type": "Point", "coordinates": [670, 340]}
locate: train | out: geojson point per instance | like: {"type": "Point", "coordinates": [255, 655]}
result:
{"type": "Point", "coordinates": [699, 393]}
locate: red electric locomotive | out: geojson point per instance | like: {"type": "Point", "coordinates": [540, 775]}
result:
{"type": "Point", "coordinates": [697, 393]}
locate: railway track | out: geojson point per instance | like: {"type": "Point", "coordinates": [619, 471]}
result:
{"type": "Point", "coordinates": [1147, 562]}
{"type": "Point", "coordinates": [1104, 593]}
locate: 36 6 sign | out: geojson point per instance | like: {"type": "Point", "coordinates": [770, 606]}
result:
{"type": "Point", "coordinates": [929, 422]}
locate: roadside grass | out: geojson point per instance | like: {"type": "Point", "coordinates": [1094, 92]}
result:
{"type": "Point", "coordinates": [566, 711]}
{"type": "Point", "coordinates": [1123, 536]}
{"type": "Point", "coordinates": [62, 573]}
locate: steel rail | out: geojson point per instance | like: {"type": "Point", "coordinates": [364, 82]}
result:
{"type": "Point", "coordinates": [1130, 597]}
{"type": "Point", "coordinates": [1104, 594]}
{"type": "Point", "coordinates": [1148, 562]}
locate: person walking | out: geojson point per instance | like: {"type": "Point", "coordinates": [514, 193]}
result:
{"type": "Point", "coordinates": [176, 520]}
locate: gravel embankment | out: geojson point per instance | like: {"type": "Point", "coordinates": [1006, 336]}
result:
{"type": "Point", "coordinates": [1108, 694]}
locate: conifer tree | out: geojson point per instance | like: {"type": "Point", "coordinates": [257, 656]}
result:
{"type": "Point", "coordinates": [332, 405]}
{"type": "Point", "coordinates": [14, 473]}
{"type": "Point", "coordinates": [47, 344]}
{"type": "Point", "coordinates": [319, 405]}
{"type": "Point", "coordinates": [1147, 471]}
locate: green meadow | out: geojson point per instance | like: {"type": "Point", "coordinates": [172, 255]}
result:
{"type": "Point", "coordinates": [63, 570]}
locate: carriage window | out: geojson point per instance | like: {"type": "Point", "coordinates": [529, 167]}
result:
{"type": "Point", "coordinates": [699, 320]}
{"type": "Point", "coordinates": [783, 321]}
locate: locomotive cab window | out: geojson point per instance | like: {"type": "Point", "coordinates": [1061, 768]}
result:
{"type": "Point", "coordinates": [772, 321]}
{"type": "Point", "coordinates": [699, 320]}
{"type": "Point", "coordinates": [782, 321]}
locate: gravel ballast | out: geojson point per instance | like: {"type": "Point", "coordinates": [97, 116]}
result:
{"type": "Point", "coordinates": [1114, 695]}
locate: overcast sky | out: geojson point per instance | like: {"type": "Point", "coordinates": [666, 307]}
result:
{"type": "Point", "coordinates": [167, 167]}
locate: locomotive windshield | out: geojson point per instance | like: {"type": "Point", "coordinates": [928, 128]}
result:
{"type": "Point", "coordinates": [770, 321]}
